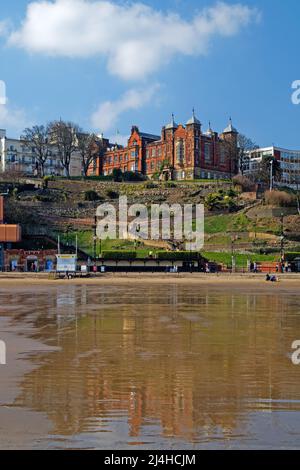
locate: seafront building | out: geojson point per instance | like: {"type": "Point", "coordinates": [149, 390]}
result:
{"type": "Point", "coordinates": [8, 234]}
{"type": "Point", "coordinates": [181, 152]}
{"type": "Point", "coordinates": [289, 162]}
{"type": "Point", "coordinates": [16, 156]}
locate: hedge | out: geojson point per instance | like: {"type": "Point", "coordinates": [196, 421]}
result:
{"type": "Point", "coordinates": [291, 256]}
{"type": "Point", "coordinates": [178, 255]}
{"type": "Point", "coordinates": [119, 255]}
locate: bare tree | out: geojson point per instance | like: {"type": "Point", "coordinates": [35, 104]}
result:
{"type": "Point", "coordinates": [63, 136]}
{"type": "Point", "coordinates": [89, 148]}
{"type": "Point", "coordinates": [232, 156]}
{"type": "Point", "coordinates": [245, 144]}
{"type": "Point", "coordinates": [263, 173]}
{"type": "Point", "coordinates": [37, 138]}
{"type": "Point", "coordinates": [296, 182]}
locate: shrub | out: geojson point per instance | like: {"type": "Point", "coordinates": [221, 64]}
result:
{"type": "Point", "coordinates": [280, 199]}
{"type": "Point", "coordinates": [151, 185]}
{"type": "Point", "coordinates": [246, 184]}
{"type": "Point", "coordinates": [221, 200]}
{"type": "Point", "coordinates": [93, 178]}
{"type": "Point", "coordinates": [46, 180]}
{"type": "Point", "coordinates": [112, 194]}
{"type": "Point", "coordinates": [44, 198]}
{"type": "Point", "coordinates": [231, 193]}
{"type": "Point", "coordinates": [170, 184]}
{"type": "Point", "coordinates": [117, 175]}
{"type": "Point", "coordinates": [119, 255]}
{"type": "Point", "coordinates": [91, 196]}
{"type": "Point", "coordinates": [292, 256]}
{"type": "Point", "coordinates": [132, 176]}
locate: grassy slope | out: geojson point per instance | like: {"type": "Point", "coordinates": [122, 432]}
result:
{"type": "Point", "coordinates": [220, 224]}
{"type": "Point", "coordinates": [86, 244]}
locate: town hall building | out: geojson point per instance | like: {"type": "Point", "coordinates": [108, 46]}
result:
{"type": "Point", "coordinates": [179, 153]}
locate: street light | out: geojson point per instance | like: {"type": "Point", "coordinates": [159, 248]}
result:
{"type": "Point", "coordinates": [282, 236]}
{"type": "Point", "coordinates": [233, 260]}
{"type": "Point", "coordinates": [95, 248]}
{"type": "Point", "coordinates": [271, 175]}
{"type": "Point", "coordinates": [95, 236]}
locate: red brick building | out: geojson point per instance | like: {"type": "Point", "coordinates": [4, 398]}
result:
{"type": "Point", "coordinates": [30, 260]}
{"type": "Point", "coordinates": [180, 153]}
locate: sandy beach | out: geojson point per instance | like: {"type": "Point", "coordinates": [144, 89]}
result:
{"type": "Point", "coordinates": [249, 282]}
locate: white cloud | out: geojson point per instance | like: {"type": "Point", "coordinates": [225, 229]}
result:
{"type": "Point", "coordinates": [135, 39]}
{"type": "Point", "coordinates": [4, 27]}
{"type": "Point", "coordinates": [13, 119]}
{"type": "Point", "coordinates": [108, 113]}
{"type": "Point", "coordinates": [119, 139]}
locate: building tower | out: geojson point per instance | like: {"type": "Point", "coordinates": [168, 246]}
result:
{"type": "Point", "coordinates": [169, 131]}
{"type": "Point", "coordinates": [2, 150]}
{"type": "Point", "coordinates": [230, 138]}
{"type": "Point", "coordinates": [193, 147]}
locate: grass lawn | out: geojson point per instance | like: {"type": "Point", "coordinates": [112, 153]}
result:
{"type": "Point", "coordinates": [86, 244]}
{"type": "Point", "coordinates": [239, 223]}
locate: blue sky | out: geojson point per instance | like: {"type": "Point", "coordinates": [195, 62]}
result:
{"type": "Point", "coordinates": [246, 74]}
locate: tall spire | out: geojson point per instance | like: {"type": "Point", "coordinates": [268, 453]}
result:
{"type": "Point", "coordinates": [230, 129]}
{"type": "Point", "coordinates": [172, 124]}
{"type": "Point", "coordinates": [209, 130]}
{"type": "Point", "coordinates": [193, 120]}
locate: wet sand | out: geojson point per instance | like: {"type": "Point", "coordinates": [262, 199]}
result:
{"type": "Point", "coordinates": [19, 428]}
{"type": "Point", "coordinates": [112, 348]}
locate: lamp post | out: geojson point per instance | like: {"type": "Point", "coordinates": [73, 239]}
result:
{"type": "Point", "coordinates": [233, 240]}
{"type": "Point", "coordinates": [282, 236]}
{"type": "Point", "coordinates": [271, 175]}
{"type": "Point", "coordinates": [95, 240]}
{"type": "Point", "coordinates": [95, 248]}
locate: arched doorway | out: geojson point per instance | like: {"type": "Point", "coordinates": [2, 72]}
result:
{"type": "Point", "coordinates": [32, 264]}
{"type": "Point", "coordinates": [14, 264]}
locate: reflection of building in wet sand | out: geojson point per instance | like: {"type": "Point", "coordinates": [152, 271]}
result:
{"type": "Point", "coordinates": [193, 364]}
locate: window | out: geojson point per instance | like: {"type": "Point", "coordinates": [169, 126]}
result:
{"type": "Point", "coordinates": [207, 153]}
{"type": "Point", "coordinates": [180, 151]}
{"type": "Point", "coordinates": [222, 154]}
